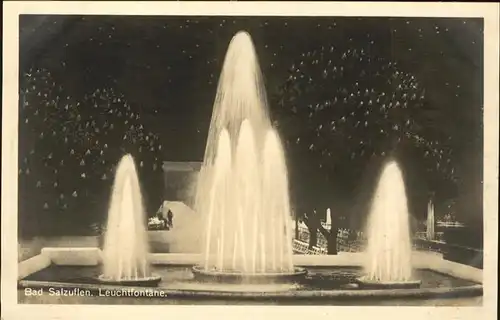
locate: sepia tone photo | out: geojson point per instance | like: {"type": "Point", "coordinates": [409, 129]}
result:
{"type": "Point", "coordinates": [251, 160]}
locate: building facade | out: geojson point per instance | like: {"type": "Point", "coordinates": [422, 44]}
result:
{"type": "Point", "coordinates": [180, 181]}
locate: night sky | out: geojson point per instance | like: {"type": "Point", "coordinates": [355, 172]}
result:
{"type": "Point", "coordinates": [166, 69]}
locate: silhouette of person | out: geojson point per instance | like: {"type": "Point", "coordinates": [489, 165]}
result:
{"type": "Point", "coordinates": [161, 215]}
{"type": "Point", "coordinates": [170, 218]}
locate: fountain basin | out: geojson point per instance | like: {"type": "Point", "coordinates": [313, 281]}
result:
{"type": "Point", "coordinates": [330, 280]}
{"type": "Point", "coordinates": [151, 281]}
{"type": "Point", "coordinates": [365, 283]}
{"type": "Point", "coordinates": [201, 274]}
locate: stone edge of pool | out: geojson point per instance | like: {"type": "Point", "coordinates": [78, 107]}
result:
{"type": "Point", "coordinates": [422, 260]}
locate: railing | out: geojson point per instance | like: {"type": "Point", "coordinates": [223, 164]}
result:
{"type": "Point", "coordinates": [449, 224]}
{"type": "Point", "coordinates": [346, 244]}
{"type": "Point", "coordinates": [300, 246]}
{"type": "Point", "coordinates": [422, 235]}
{"type": "Point", "coordinates": [303, 248]}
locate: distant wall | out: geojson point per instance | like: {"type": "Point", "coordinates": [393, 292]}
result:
{"type": "Point", "coordinates": [180, 181]}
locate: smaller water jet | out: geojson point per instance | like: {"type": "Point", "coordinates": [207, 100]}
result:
{"type": "Point", "coordinates": [248, 235]}
{"type": "Point", "coordinates": [389, 251]}
{"type": "Point", "coordinates": [430, 232]}
{"type": "Point", "coordinates": [125, 244]}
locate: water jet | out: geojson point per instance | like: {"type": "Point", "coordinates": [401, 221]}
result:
{"type": "Point", "coordinates": [243, 190]}
{"type": "Point", "coordinates": [389, 249]}
{"type": "Point", "coordinates": [125, 243]}
{"type": "Point", "coordinates": [430, 230]}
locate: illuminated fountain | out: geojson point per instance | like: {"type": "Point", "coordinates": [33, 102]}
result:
{"type": "Point", "coordinates": [388, 262]}
{"type": "Point", "coordinates": [242, 194]}
{"type": "Point", "coordinates": [125, 244]}
{"type": "Point", "coordinates": [243, 186]}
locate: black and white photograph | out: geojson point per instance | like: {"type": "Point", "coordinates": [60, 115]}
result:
{"type": "Point", "coordinates": [251, 160]}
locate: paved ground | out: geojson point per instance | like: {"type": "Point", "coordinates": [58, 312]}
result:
{"type": "Point", "coordinates": [32, 247]}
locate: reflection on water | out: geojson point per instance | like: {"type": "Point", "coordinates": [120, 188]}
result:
{"type": "Point", "coordinates": [181, 278]}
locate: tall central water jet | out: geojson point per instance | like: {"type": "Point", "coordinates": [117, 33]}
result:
{"type": "Point", "coordinates": [125, 244]}
{"type": "Point", "coordinates": [243, 186]}
{"type": "Point", "coordinates": [389, 247]}
{"type": "Point", "coordinates": [240, 95]}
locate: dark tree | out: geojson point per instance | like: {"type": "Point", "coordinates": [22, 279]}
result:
{"type": "Point", "coordinates": [350, 108]}
{"type": "Point", "coordinates": [69, 150]}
